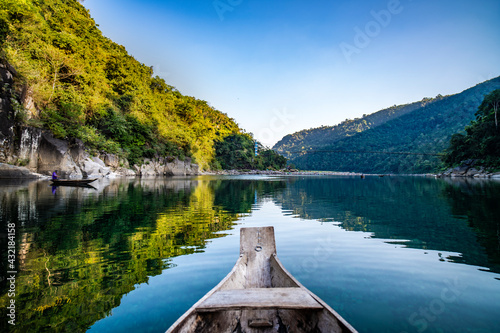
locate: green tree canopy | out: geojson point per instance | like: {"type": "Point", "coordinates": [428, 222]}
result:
{"type": "Point", "coordinates": [481, 140]}
{"type": "Point", "coordinates": [86, 86]}
{"type": "Point", "coordinates": [237, 151]}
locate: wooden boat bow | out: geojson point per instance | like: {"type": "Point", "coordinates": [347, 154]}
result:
{"type": "Point", "coordinates": [259, 295]}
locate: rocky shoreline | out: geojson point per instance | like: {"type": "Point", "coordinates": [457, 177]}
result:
{"type": "Point", "coordinates": [36, 154]}
{"type": "Point", "coordinates": [162, 167]}
{"type": "Point", "coordinates": [45, 154]}
{"type": "Point", "coordinates": [470, 169]}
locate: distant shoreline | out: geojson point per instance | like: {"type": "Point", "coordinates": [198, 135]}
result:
{"type": "Point", "coordinates": [450, 173]}
{"type": "Point", "coordinates": [302, 173]}
{"type": "Point", "coordinates": [8, 171]}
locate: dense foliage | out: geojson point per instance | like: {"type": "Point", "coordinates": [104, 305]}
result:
{"type": "Point", "coordinates": [481, 140]}
{"type": "Point", "coordinates": [237, 151]}
{"type": "Point", "coordinates": [85, 86]}
{"type": "Point", "coordinates": [315, 138]}
{"type": "Point", "coordinates": [418, 134]}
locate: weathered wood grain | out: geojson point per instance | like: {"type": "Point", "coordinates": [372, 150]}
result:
{"type": "Point", "coordinates": [258, 244]}
{"type": "Point", "coordinates": [255, 298]}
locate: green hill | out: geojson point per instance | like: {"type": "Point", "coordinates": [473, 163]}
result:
{"type": "Point", "coordinates": [373, 143]}
{"type": "Point", "coordinates": [83, 85]}
{"type": "Point", "coordinates": [315, 138]}
{"type": "Point", "coordinates": [481, 140]}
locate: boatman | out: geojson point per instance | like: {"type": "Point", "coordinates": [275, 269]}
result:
{"type": "Point", "coordinates": [54, 175]}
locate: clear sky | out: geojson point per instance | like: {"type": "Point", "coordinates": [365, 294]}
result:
{"type": "Point", "coordinates": [279, 66]}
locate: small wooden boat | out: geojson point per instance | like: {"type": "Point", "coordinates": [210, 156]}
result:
{"type": "Point", "coordinates": [259, 295]}
{"type": "Point", "coordinates": [72, 182]}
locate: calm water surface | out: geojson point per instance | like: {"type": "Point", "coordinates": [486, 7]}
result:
{"type": "Point", "coordinates": [392, 254]}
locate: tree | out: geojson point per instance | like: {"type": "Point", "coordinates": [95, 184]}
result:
{"type": "Point", "coordinates": [490, 106]}
{"type": "Point", "coordinates": [481, 140]}
{"type": "Point", "coordinates": [236, 151]}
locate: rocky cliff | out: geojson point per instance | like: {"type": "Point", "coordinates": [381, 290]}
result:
{"type": "Point", "coordinates": [38, 151]}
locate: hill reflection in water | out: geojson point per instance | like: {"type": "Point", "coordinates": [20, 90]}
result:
{"type": "Point", "coordinates": [87, 253]}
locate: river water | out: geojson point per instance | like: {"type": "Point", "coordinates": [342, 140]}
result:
{"type": "Point", "coordinates": [391, 254]}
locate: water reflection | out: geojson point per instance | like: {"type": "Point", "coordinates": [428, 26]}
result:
{"type": "Point", "coordinates": [478, 202]}
{"type": "Point", "coordinates": [454, 215]}
{"type": "Point", "coordinates": [82, 249]}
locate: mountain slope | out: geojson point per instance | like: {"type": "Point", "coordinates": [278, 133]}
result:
{"type": "Point", "coordinates": [426, 129]}
{"type": "Point", "coordinates": [481, 140]}
{"type": "Point", "coordinates": [318, 137]}
{"type": "Point", "coordinates": [79, 84]}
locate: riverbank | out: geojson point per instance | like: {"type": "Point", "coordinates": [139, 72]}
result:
{"type": "Point", "coordinates": [95, 167]}
{"type": "Point", "coordinates": [276, 173]}
{"type": "Point", "coordinates": [175, 167]}
{"type": "Point", "coordinates": [302, 173]}
{"type": "Point", "coordinates": [470, 169]}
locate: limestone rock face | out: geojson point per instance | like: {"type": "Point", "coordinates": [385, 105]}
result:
{"type": "Point", "coordinates": [7, 133]}
{"type": "Point", "coordinates": [41, 153]}
{"type": "Point", "coordinates": [11, 171]}
{"type": "Point", "coordinates": [177, 167]}
{"type": "Point", "coordinates": [93, 167]}
{"type": "Point", "coordinates": [123, 172]}
{"type": "Point", "coordinates": [54, 154]}
{"type": "Point", "coordinates": [167, 167]}
{"type": "Point", "coordinates": [111, 160]}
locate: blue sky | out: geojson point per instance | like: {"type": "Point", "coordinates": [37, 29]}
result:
{"type": "Point", "coordinates": [277, 67]}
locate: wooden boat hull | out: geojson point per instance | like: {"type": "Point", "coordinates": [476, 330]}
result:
{"type": "Point", "coordinates": [259, 295]}
{"type": "Point", "coordinates": [72, 182]}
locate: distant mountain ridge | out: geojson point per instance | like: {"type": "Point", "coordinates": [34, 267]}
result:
{"type": "Point", "coordinates": [318, 137]}
{"type": "Point", "coordinates": [417, 128]}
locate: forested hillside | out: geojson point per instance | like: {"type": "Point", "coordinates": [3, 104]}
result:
{"type": "Point", "coordinates": [481, 140]}
{"type": "Point", "coordinates": [315, 138]}
{"type": "Point", "coordinates": [424, 130]}
{"type": "Point", "coordinates": [83, 85]}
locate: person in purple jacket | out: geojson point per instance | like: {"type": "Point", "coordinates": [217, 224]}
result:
{"type": "Point", "coordinates": [54, 175]}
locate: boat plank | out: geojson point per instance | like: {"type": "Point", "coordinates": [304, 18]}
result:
{"type": "Point", "coordinates": [267, 298]}
{"type": "Point", "coordinates": [258, 244]}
